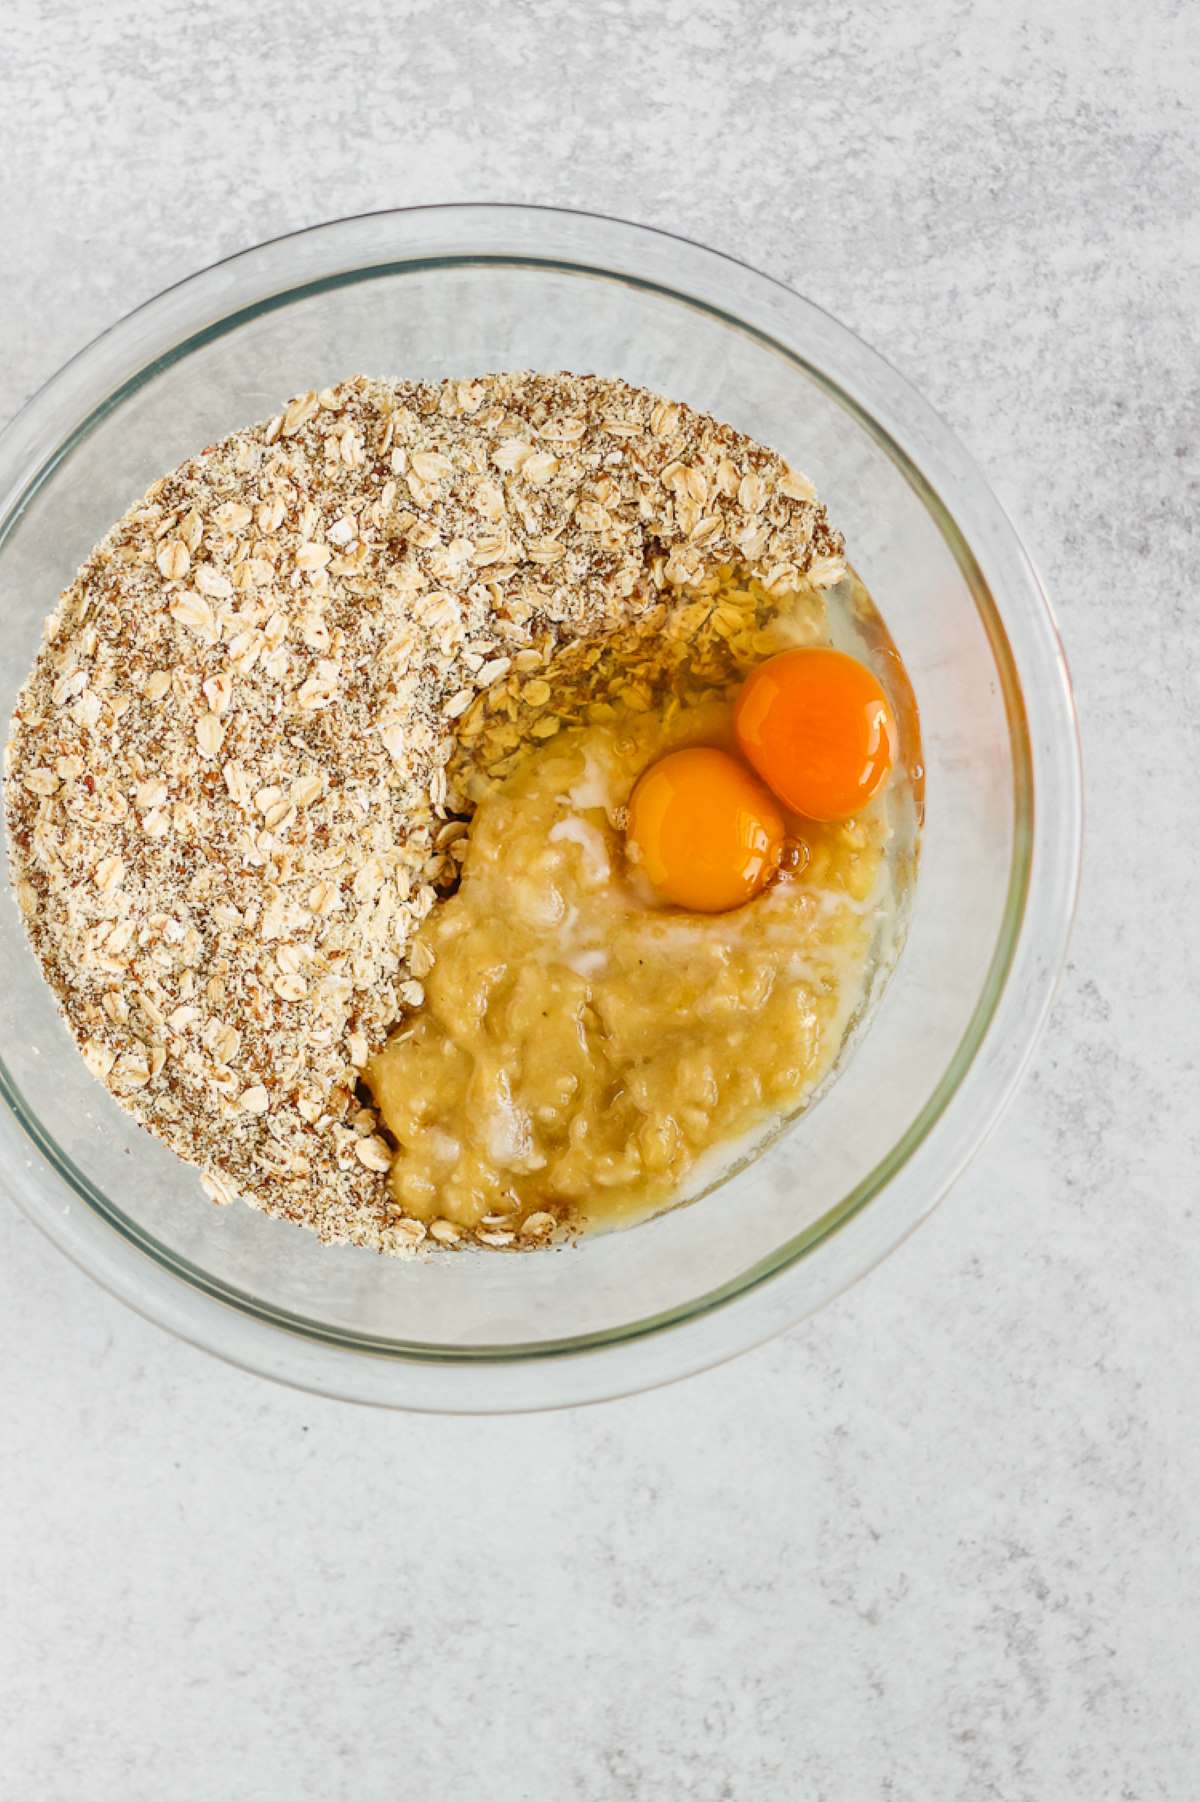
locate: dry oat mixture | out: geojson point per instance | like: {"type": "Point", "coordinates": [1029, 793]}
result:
{"type": "Point", "coordinates": [232, 784]}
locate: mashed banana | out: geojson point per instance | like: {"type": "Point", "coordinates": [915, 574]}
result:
{"type": "Point", "coordinates": [580, 1048]}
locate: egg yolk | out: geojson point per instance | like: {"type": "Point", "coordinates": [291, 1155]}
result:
{"type": "Point", "coordinates": [704, 830]}
{"type": "Point", "coordinates": [817, 727]}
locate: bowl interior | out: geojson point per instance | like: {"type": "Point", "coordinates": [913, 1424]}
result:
{"type": "Point", "coordinates": [459, 316]}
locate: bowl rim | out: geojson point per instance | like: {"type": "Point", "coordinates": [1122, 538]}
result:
{"type": "Point", "coordinates": [1027, 959]}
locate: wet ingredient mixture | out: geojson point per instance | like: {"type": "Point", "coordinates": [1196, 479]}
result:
{"type": "Point", "coordinates": [583, 1042]}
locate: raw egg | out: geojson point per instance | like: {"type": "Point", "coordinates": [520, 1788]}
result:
{"type": "Point", "coordinates": [703, 829]}
{"type": "Point", "coordinates": [817, 727]}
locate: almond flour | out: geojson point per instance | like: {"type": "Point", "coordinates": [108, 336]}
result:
{"type": "Point", "coordinates": [231, 789]}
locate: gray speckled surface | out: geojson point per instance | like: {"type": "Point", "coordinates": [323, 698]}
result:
{"type": "Point", "coordinates": [940, 1542]}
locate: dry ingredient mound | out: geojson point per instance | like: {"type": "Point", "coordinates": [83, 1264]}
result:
{"type": "Point", "coordinates": [227, 790]}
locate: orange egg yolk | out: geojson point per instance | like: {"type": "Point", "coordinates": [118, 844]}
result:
{"type": "Point", "coordinates": [817, 727]}
{"type": "Point", "coordinates": [704, 830]}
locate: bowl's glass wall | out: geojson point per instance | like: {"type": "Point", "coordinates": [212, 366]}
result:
{"type": "Point", "coordinates": [433, 321]}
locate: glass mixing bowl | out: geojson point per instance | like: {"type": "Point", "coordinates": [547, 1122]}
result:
{"type": "Point", "coordinates": [458, 290]}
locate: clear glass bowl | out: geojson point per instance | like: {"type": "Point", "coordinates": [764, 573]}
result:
{"type": "Point", "coordinates": [457, 290]}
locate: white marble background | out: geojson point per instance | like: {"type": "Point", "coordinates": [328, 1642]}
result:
{"type": "Point", "coordinates": [941, 1542]}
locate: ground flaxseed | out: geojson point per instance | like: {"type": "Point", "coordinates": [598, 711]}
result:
{"type": "Point", "coordinates": [227, 787]}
